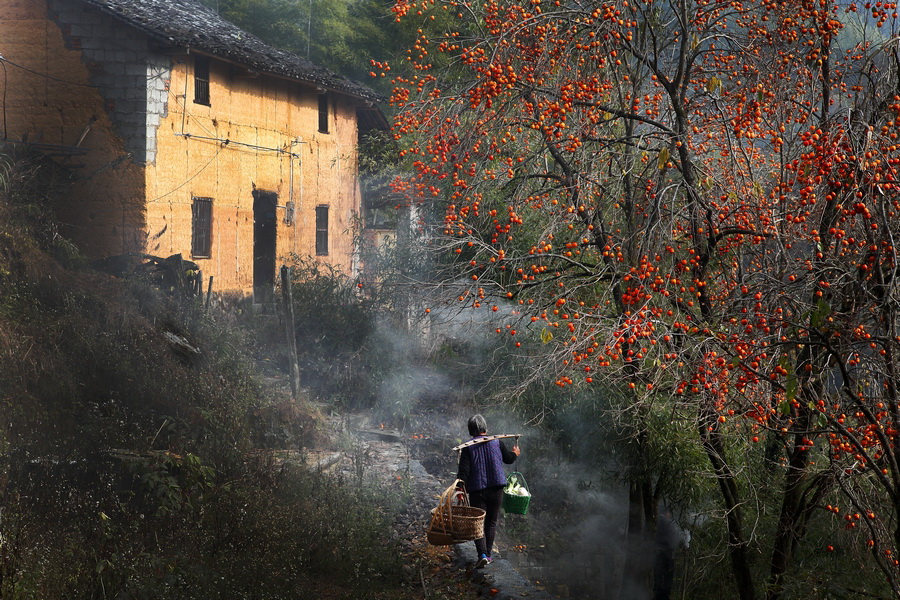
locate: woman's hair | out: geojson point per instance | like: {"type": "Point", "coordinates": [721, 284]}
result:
{"type": "Point", "coordinates": [477, 425]}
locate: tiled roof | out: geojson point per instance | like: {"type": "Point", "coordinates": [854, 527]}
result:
{"type": "Point", "coordinates": [190, 24]}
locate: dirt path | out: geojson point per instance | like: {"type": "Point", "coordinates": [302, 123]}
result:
{"type": "Point", "coordinates": [443, 572]}
{"type": "Point", "coordinates": [438, 572]}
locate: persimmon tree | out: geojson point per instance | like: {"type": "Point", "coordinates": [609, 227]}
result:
{"type": "Point", "coordinates": [696, 200]}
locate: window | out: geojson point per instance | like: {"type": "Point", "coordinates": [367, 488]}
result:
{"type": "Point", "coordinates": [321, 230]}
{"type": "Point", "coordinates": [201, 80]}
{"type": "Point", "coordinates": [201, 227]}
{"type": "Point", "coordinates": [323, 113]}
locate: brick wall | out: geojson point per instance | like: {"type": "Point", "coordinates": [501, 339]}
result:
{"type": "Point", "coordinates": [131, 78]}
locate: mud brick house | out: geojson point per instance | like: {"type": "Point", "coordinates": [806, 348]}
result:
{"type": "Point", "coordinates": [185, 134]}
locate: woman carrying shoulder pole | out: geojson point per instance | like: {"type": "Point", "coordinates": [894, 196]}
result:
{"type": "Point", "coordinates": [481, 469]}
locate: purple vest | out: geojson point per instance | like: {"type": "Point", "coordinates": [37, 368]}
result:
{"type": "Point", "coordinates": [487, 466]}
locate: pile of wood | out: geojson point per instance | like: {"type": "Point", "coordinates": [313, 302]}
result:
{"type": "Point", "coordinates": [174, 275]}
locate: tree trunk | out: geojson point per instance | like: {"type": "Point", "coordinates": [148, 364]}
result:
{"type": "Point", "coordinates": [787, 534]}
{"type": "Point", "coordinates": [740, 560]}
{"type": "Point", "coordinates": [636, 579]}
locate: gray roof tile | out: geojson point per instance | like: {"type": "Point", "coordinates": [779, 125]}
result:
{"type": "Point", "coordinates": [191, 24]}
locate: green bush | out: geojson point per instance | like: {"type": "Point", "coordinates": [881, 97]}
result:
{"type": "Point", "coordinates": [335, 325]}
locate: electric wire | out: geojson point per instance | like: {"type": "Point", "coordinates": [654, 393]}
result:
{"type": "Point", "coordinates": [189, 179]}
{"type": "Point", "coordinates": [45, 75]}
{"type": "Point", "coordinates": [224, 142]}
{"type": "Point", "coordinates": [229, 142]}
{"type": "Point", "coordinates": [182, 102]}
{"type": "Point", "coordinates": [5, 60]}
{"type": "Point", "coordinates": [5, 86]}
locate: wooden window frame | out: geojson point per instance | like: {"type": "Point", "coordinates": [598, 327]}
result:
{"type": "Point", "coordinates": [322, 230]}
{"type": "Point", "coordinates": [201, 226]}
{"type": "Point", "coordinates": [201, 80]}
{"type": "Point", "coordinates": [324, 111]}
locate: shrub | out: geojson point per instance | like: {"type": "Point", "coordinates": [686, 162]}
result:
{"type": "Point", "coordinates": [334, 324]}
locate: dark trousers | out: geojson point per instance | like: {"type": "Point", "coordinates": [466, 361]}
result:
{"type": "Point", "coordinates": [490, 499]}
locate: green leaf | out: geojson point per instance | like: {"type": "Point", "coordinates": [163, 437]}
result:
{"type": "Point", "coordinates": [790, 386]}
{"type": "Point", "coordinates": [784, 407]}
{"type": "Point", "coordinates": [546, 335]}
{"type": "Point", "coordinates": [818, 316]}
{"type": "Point", "coordinates": [822, 421]}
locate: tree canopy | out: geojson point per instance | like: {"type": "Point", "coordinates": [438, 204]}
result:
{"type": "Point", "coordinates": [696, 201]}
{"type": "Point", "coordinates": [342, 35]}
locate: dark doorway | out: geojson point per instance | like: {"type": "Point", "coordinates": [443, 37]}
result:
{"type": "Point", "coordinates": [264, 228]}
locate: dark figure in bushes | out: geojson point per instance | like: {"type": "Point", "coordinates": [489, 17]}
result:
{"type": "Point", "coordinates": [668, 538]}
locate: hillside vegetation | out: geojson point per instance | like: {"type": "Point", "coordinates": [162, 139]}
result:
{"type": "Point", "coordinates": [130, 466]}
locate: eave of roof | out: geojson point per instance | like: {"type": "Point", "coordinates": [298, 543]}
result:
{"type": "Point", "coordinates": [190, 24]}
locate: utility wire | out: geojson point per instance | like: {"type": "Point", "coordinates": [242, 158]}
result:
{"type": "Point", "coordinates": [6, 61]}
{"type": "Point", "coordinates": [223, 141]}
{"type": "Point", "coordinates": [5, 87]}
{"type": "Point", "coordinates": [228, 142]}
{"type": "Point", "coordinates": [189, 179]}
{"type": "Point", "coordinates": [183, 102]}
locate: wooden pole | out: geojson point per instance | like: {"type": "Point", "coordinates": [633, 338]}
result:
{"type": "Point", "coordinates": [289, 330]}
{"type": "Point", "coordinates": [208, 293]}
{"type": "Point", "coordinates": [486, 438]}
{"type": "Point", "coordinates": [180, 284]}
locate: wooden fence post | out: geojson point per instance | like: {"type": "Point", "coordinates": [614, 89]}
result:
{"type": "Point", "coordinates": [208, 293]}
{"type": "Point", "coordinates": [289, 330]}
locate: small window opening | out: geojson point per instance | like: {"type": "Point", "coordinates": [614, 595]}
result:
{"type": "Point", "coordinates": [201, 227]}
{"type": "Point", "coordinates": [321, 230]}
{"type": "Point", "coordinates": [323, 113]}
{"type": "Point", "coordinates": [201, 80]}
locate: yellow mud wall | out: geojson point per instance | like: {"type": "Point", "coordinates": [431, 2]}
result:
{"type": "Point", "coordinates": [257, 133]}
{"type": "Point", "coordinates": [48, 99]}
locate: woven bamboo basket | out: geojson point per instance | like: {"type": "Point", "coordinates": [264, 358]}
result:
{"type": "Point", "coordinates": [437, 534]}
{"type": "Point", "coordinates": [468, 523]}
{"type": "Point", "coordinates": [455, 523]}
